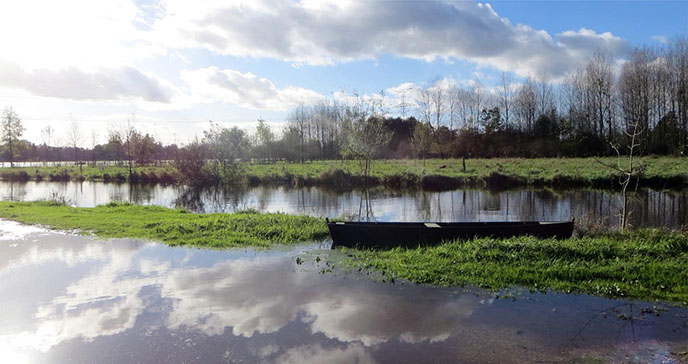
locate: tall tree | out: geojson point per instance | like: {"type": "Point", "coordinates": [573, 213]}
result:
{"type": "Point", "coordinates": [505, 95]}
{"type": "Point", "coordinates": [12, 130]}
{"type": "Point", "coordinates": [74, 138]}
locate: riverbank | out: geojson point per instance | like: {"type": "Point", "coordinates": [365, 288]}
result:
{"type": "Point", "coordinates": [174, 227]}
{"type": "Point", "coordinates": [645, 264]}
{"type": "Point", "coordinates": [434, 174]}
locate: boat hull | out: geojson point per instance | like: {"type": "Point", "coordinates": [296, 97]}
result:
{"type": "Point", "coordinates": [392, 234]}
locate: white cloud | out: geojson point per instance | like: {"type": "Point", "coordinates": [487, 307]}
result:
{"type": "Point", "coordinates": [212, 84]}
{"type": "Point", "coordinates": [325, 32]}
{"type": "Point", "coordinates": [73, 83]}
{"type": "Point", "coordinates": [661, 38]}
{"type": "Point", "coordinates": [73, 33]}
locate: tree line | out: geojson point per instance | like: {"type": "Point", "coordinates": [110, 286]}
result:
{"type": "Point", "coordinates": [590, 112]}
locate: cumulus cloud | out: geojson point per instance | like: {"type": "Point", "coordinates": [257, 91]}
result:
{"type": "Point", "coordinates": [318, 32]}
{"type": "Point", "coordinates": [244, 89]}
{"type": "Point", "coordinates": [119, 83]}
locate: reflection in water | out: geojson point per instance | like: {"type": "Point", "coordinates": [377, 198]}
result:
{"type": "Point", "coordinates": [648, 207]}
{"type": "Point", "coordinates": [127, 301]}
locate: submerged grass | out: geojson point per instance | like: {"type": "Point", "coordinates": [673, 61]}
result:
{"type": "Point", "coordinates": [174, 227]}
{"type": "Point", "coordinates": [645, 264]}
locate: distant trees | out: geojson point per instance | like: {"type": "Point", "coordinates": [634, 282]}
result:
{"type": "Point", "coordinates": [12, 130]}
{"type": "Point", "coordinates": [581, 114]}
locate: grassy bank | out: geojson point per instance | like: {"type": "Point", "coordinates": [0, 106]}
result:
{"type": "Point", "coordinates": [442, 174]}
{"type": "Point", "coordinates": [646, 264]}
{"type": "Point", "coordinates": [438, 174]}
{"type": "Point", "coordinates": [174, 227]}
{"type": "Point", "coordinates": [164, 173]}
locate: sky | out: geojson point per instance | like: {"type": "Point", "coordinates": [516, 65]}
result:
{"type": "Point", "coordinates": [170, 66]}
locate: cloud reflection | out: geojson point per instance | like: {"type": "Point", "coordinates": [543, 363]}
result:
{"type": "Point", "coordinates": [246, 295]}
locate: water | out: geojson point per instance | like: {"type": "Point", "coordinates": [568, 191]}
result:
{"type": "Point", "coordinates": [69, 298]}
{"type": "Point", "coordinates": [648, 207]}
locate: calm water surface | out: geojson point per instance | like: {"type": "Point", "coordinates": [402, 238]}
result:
{"type": "Point", "coordinates": [649, 207]}
{"type": "Point", "coordinates": [74, 299]}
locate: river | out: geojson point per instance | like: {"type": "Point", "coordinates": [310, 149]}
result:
{"type": "Point", "coordinates": [649, 208]}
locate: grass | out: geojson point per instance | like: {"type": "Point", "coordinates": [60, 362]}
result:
{"type": "Point", "coordinates": [163, 173]}
{"type": "Point", "coordinates": [174, 227]}
{"type": "Point", "coordinates": [660, 173]}
{"type": "Point", "coordinates": [538, 171]}
{"type": "Point", "coordinates": [644, 264]}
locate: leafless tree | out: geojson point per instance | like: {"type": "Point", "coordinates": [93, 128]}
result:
{"type": "Point", "coordinates": [505, 95]}
{"type": "Point", "coordinates": [74, 139]}
{"type": "Point", "coordinates": [627, 166]}
{"type": "Point", "coordinates": [526, 104]}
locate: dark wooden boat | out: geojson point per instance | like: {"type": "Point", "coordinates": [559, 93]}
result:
{"type": "Point", "coordinates": [392, 234]}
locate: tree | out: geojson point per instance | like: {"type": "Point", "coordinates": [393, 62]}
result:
{"type": "Point", "coordinates": [190, 162]}
{"type": "Point", "coordinates": [143, 147]}
{"type": "Point", "coordinates": [47, 134]}
{"type": "Point", "coordinates": [422, 135]}
{"type": "Point", "coordinates": [265, 140]}
{"type": "Point", "coordinates": [226, 147]}
{"type": "Point", "coordinates": [94, 142]}
{"type": "Point", "coordinates": [367, 134]}
{"type": "Point", "coordinates": [505, 95]}
{"type": "Point", "coordinates": [299, 118]}
{"type": "Point", "coordinates": [74, 137]}
{"type": "Point", "coordinates": [527, 104]}
{"type": "Point", "coordinates": [628, 170]}
{"type": "Point", "coordinates": [12, 130]}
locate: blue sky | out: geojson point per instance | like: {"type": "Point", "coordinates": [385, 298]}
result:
{"type": "Point", "coordinates": [172, 65]}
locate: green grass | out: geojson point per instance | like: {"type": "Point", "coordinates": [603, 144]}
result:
{"type": "Point", "coordinates": [660, 172]}
{"type": "Point", "coordinates": [174, 227]}
{"type": "Point", "coordinates": [529, 169]}
{"type": "Point", "coordinates": [645, 264]}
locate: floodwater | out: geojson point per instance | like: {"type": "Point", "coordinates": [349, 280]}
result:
{"type": "Point", "coordinates": [74, 299]}
{"type": "Point", "coordinates": [649, 208]}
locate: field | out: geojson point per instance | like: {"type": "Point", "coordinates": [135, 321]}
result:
{"type": "Point", "coordinates": [659, 173]}
{"type": "Point", "coordinates": [174, 227]}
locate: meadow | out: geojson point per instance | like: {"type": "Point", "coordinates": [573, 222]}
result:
{"type": "Point", "coordinates": [442, 174]}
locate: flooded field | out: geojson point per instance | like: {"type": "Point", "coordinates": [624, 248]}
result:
{"type": "Point", "coordinates": [69, 298]}
{"type": "Point", "coordinates": [648, 207]}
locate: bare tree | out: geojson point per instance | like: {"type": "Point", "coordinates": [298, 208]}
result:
{"type": "Point", "coordinates": [74, 139]}
{"type": "Point", "coordinates": [299, 118]}
{"type": "Point", "coordinates": [12, 130]}
{"type": "Point", "coordinates": [47, 134]}
{"type": "Point", "coordinates": [424, 102]}
{"type": "Point", "coordinates": [628, 170]}
{"type": "Point", "coordinates": [421, 138]}
{"type": "Point", "coordinates": [94, 142]}
{"type": "Point", "coordinates": [505, 95]}
{"type": "Point", "coordinates": [527, 103]}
